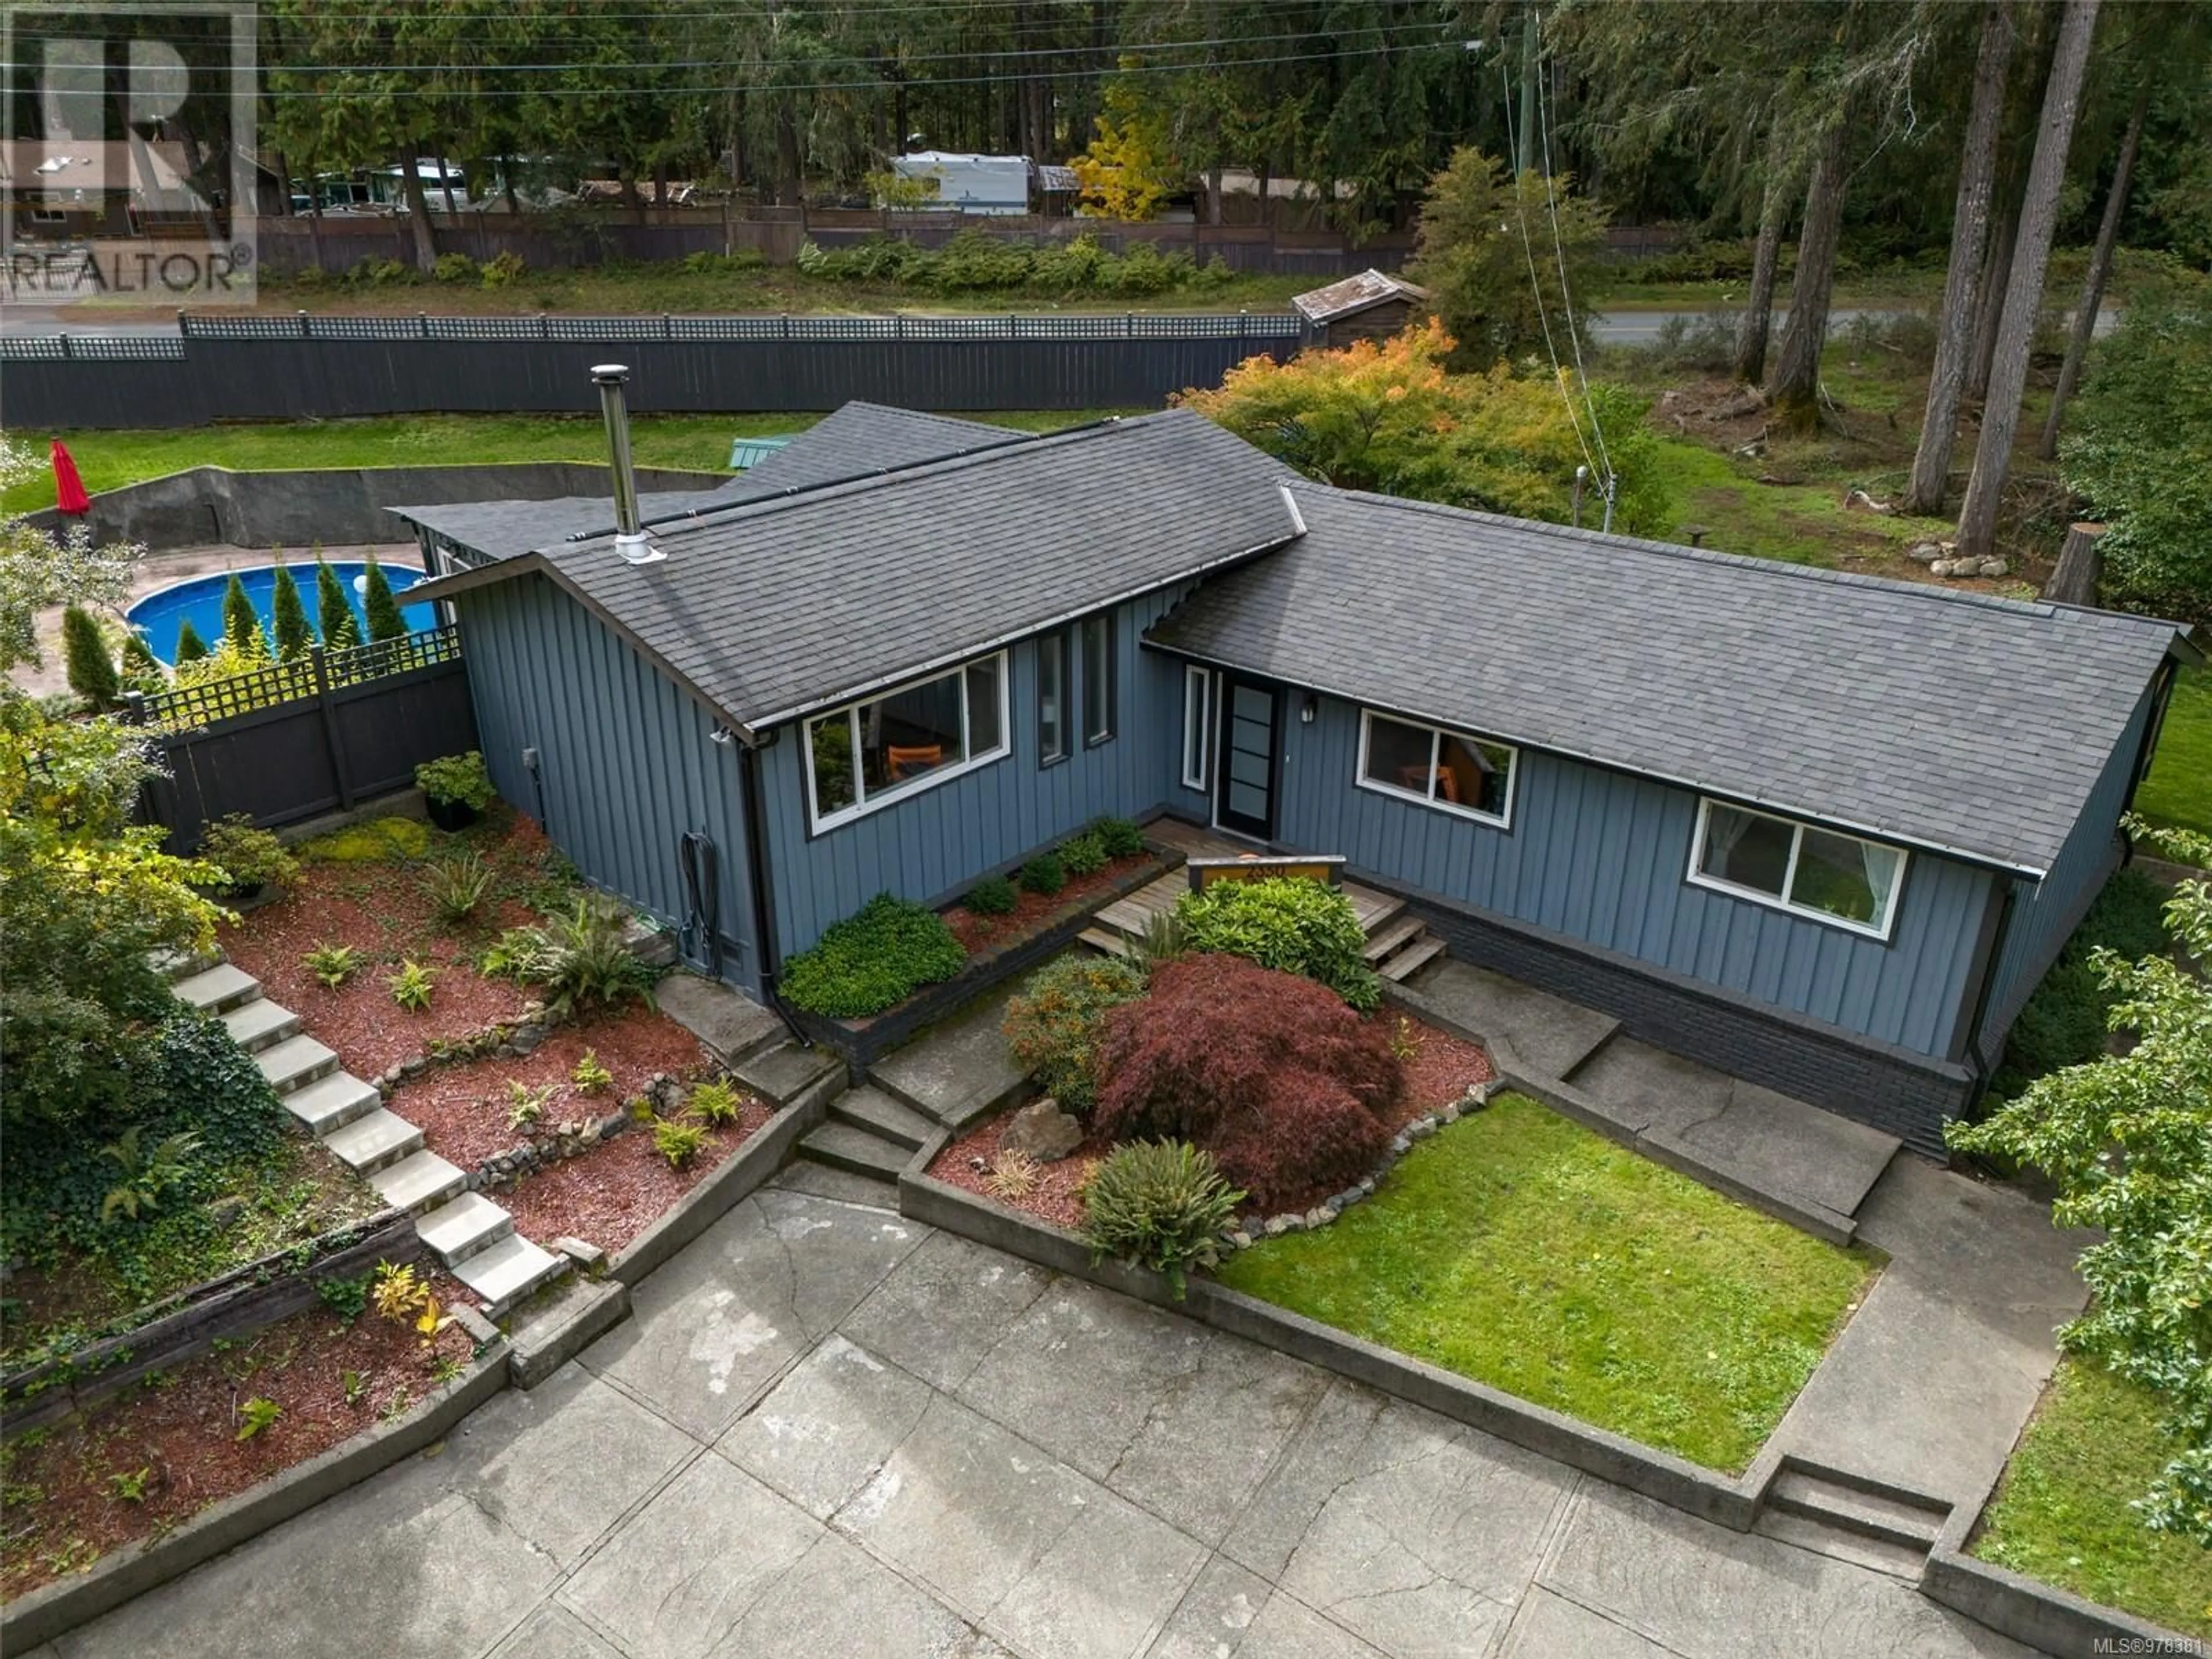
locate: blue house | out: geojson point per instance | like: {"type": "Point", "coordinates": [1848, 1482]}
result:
{"type": "Point", "coordinates": [1823, 831]}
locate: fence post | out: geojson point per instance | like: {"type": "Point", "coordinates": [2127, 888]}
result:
{"type": "Point", "coordinates": [303, 325]}
{"type": "Point", "coordinates": [68, 345]}
{"type": "Point", "coordinates": [331, 739]}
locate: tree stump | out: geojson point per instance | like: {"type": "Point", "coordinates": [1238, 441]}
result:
{"type": "Point", "coordinates": [2075, 580]}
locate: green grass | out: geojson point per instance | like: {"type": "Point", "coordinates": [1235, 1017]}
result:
{"type": "Point", "coordinates": [1528, 1253]}
{"type": "Point", "coordinates": [2178, 793]}
{"type": "Point", "coordinates": [1799, 523]}
{"type": "Point", "coordinates": [699, 443]}
{"type": "Point", "coordinates": [2061, 1515]}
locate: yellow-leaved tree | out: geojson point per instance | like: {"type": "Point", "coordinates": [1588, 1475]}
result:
{"type": "Point", "coordinates": [1126, 171]}
{"type": "Point", "coordinates": [1388, 416]}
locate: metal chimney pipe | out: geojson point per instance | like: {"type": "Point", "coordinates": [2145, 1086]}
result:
{"type": "Point", "coordinates": [630, 539]}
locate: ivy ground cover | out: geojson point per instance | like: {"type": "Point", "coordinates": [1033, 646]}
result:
{"type": "Point", "coordinates": [1525, 1252]}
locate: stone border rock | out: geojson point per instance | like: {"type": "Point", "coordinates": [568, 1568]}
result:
{"type": "Point", "coordinates": [52, 1609]}
{"type": "Point", "coordinates": [2041, 1615]}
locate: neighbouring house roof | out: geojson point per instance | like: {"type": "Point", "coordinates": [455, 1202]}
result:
{"type": "Point", "coordinates": [1354, 295]}
{"type": "Point", "coordinates": [773, 608]}
{"type": "Point", "coordinates": [853, 440]}
{"type": "Point", "coordinates": [1957, 722]}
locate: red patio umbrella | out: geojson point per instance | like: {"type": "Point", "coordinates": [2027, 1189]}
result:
{"type": "Point", "coordinates": [68, 488]}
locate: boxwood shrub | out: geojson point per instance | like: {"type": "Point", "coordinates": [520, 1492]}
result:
{"type": "Point", "coordinates": [994, 895]}
{"type": "Point", "coordinates": [1287, 923]}
{"type": "Point", "coordinates": [1044, 874]}
{"type": "Point", "coordinates": [1120, 837]}
{"type": "Point", "coordinates": [880, 955]}
{"type": "Point", "coordinates": [1084, 856]}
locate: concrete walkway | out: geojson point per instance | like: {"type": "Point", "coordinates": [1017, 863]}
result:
{"type": "Point", "coordinates": [830, 1432]}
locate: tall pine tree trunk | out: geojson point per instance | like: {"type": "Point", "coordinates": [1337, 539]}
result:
{"type": "Point", "coordinates": [1989, 304]}
{"type": "Point", "coordinates": [418, 214]}
{"type": "Point", "coordinates": [2101, 270]}
{"type": "Point", "coordinates": [1750, 365]}
{"type": "Point", "coordinates": [1795, 387]}
{"type": "Point", "coordinates": [2038, 216]}
{"type": "Point", "coordinates": [1970, 233]}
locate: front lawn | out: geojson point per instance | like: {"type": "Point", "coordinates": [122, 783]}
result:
{"type": "Point", "coordinates": [2061, 1515]}
{"type": "Point", "coordinates": [2177, 792]}
{"type": "Point", "coordinates": [1526, 1252]}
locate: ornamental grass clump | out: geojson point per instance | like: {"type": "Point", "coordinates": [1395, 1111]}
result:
{"type": "Point", "coordinates": [1159, 1205]}
{"type": "Point", "coordinates": [1270, 1072]}
{"type": "Point", "coordinates": [1051, 1025]}
{"type": "Point", "coordinates": [1289, 924]}
{"type": "Point", "coordinates": [877, 956]}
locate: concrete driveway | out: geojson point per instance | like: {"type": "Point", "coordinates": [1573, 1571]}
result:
{"type": "Point", "coordinates": [829, 1431]}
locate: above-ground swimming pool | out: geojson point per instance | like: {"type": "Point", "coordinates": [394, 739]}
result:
{"type": "Point", "coordinates": [159, 615]}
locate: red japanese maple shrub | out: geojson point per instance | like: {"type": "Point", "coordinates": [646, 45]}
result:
{"type": "Point", "coordinates": [1272, 1073]}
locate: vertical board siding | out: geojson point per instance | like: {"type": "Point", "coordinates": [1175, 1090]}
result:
{"type": "Point", "coordinates": [1602, 857]}
{"type": "Point", "coordinates": [626, 760]}
{"type": "Point", "coordinates": [2045, 915]}
{"type": "Point", "coordinates": [944, 837]}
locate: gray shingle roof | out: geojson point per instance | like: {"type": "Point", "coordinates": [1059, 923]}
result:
{"type": "Point", "coordinates": [858, 438]}
{"type": "Point", "coordinates": [1955, 720]}
{"type": "Point", "coordinates": [777, 607]}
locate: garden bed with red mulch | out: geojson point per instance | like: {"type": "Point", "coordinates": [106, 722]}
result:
{"type": "Point", "coordinates": [1033, 913]}
{"type": "Point", "coordinates": [378, 906]}
{"type": "Point", "coordinates": [608, 1197]}
{"type": "Point", "coordinates": [68, 1484]}
{"type": "Point", "coordinates": [1440, 1070]}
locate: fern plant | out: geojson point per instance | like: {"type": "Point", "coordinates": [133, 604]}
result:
{"type": "Point", "coordinates": [333, 964]}
{"type": "Point", "coordinates": [677, 1141]}
{"type": "Point", "coordinates": [525, 1105]}
{"type": "Point", "coordinates": [256, 1414]}
{"type": "Point", "coordinates": [456, 887]}
{"type": "Point", "coordinates": [589, 1075]}
{"type": "Point", "coordinates": [1160, 1205]}
{"type": "Point", "coordinates": [147, 1175]}
{"type": "Point", "coordinates": [716, 1102]}
{"type": "Point", "coordinates": [411, 986]}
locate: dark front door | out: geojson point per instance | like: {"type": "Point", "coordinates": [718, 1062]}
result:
{"type": "Point", "coordinates": [1244, 798]}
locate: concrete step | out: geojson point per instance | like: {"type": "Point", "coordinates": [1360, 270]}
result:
{"type": "Point", "coordinates": [1412, 957]}
{"type": "Point", "coordinates": [332, 1102]}
{"type": "Point", "coordinates": [295, 1063]}
{"type": "Point", "coordinates": [260, 1024]}
{"type": "Point", "coordinates": [1835, 1500]}
{"type": "Point", "coordinates": [182, 965]}
{"type": "Point", "coordinates": [1114, 943]}
{"type": "Point", "coordinates": [841, 1146]}
{"type": "Point", "coordinates": [369, 1143]}
{"type": "Point", "coordinates": [218, 989]}
{"type": "Point", "coordinates": [782, 1072]}
{"type": "Point", "coordinates": [463, 1226]}
{"type": "Point", "coordinates": [1903, 1561]}
{"type": "Point", "coordinates": [877, 1113]}
{"type": "Point", "coordinates": [418, 1182]}
{"type": "Point", "coordinates": [509, 1271]}
{"type": "Point", "coordinates": [1401, 931]}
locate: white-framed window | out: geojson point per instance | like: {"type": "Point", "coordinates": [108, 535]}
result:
{"type": "Point", "coordinates": [1098, 677]}
{"type": "Point", "coordinates": [1052, 698]}
{"type": "Point", "coordinates": [1451, 771]}
{"type": "Point", "coordinates": [1197, 724]}
{"type": "Point", "coordinates": [870, 754]}
{"type": "Point", "coordinates": [1843, 880]}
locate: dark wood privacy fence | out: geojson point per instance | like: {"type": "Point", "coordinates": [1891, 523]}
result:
{"type": "Point", "coordinates": [289, 367]}
{"type": "Point", "coordinates": [293, 740]}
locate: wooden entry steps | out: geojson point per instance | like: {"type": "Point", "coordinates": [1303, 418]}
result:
{"type": "Point", "coordinates": [1398, 941]}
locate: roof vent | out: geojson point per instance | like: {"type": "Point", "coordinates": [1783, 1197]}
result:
{"type": "Point", "coordinates": [631, 542]}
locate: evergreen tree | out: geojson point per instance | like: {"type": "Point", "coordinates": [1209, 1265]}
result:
{"type": "Point", "coordinates": [91, 671]}
{"type": "Point", "coordinates": [333, 611]}
{"type": "Point", "coordinates": [294, 637]}
{"type": "Point", "coordinates": [241, 628]}
{"type": "Point", "coordinates": [142, 669]}
{"type": "Point", "coordinates": [383, 621]}
{"type": "Point", "coordinates": [190, 648]}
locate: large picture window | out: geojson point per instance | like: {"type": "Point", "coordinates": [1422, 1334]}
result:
{"type": "Point", "coordinates": [1471, 776]}
{"type": "Point", "coordinates": [870, 754]}
{"type": "Point", "coordinates": [1197, 726]}
{"type": "Point", "coordinates": [1097, 635]}
{"type": "Point", "coordinates": [1832, 878]}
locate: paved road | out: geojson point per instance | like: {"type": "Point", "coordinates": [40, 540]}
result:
{"type": "Point", "coordinates": [1621, 328]}
{"type": "Point", "coordinates": [830, 1432]}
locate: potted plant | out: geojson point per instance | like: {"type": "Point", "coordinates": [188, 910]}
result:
{"type": "Point", "coordinates": [458, 788]}
{"type": "Point", "coordinates": [254, 860]}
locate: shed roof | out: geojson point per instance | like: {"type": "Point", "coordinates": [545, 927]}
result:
{"type": "Point", "coordinates": [1354, 295]}
{"type": "Point", "coordinates": [855, 440]}
{"type": "Point", "coordinates": [773, 608]}
{"type": "Point", "coordinates": [1967, 724]}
